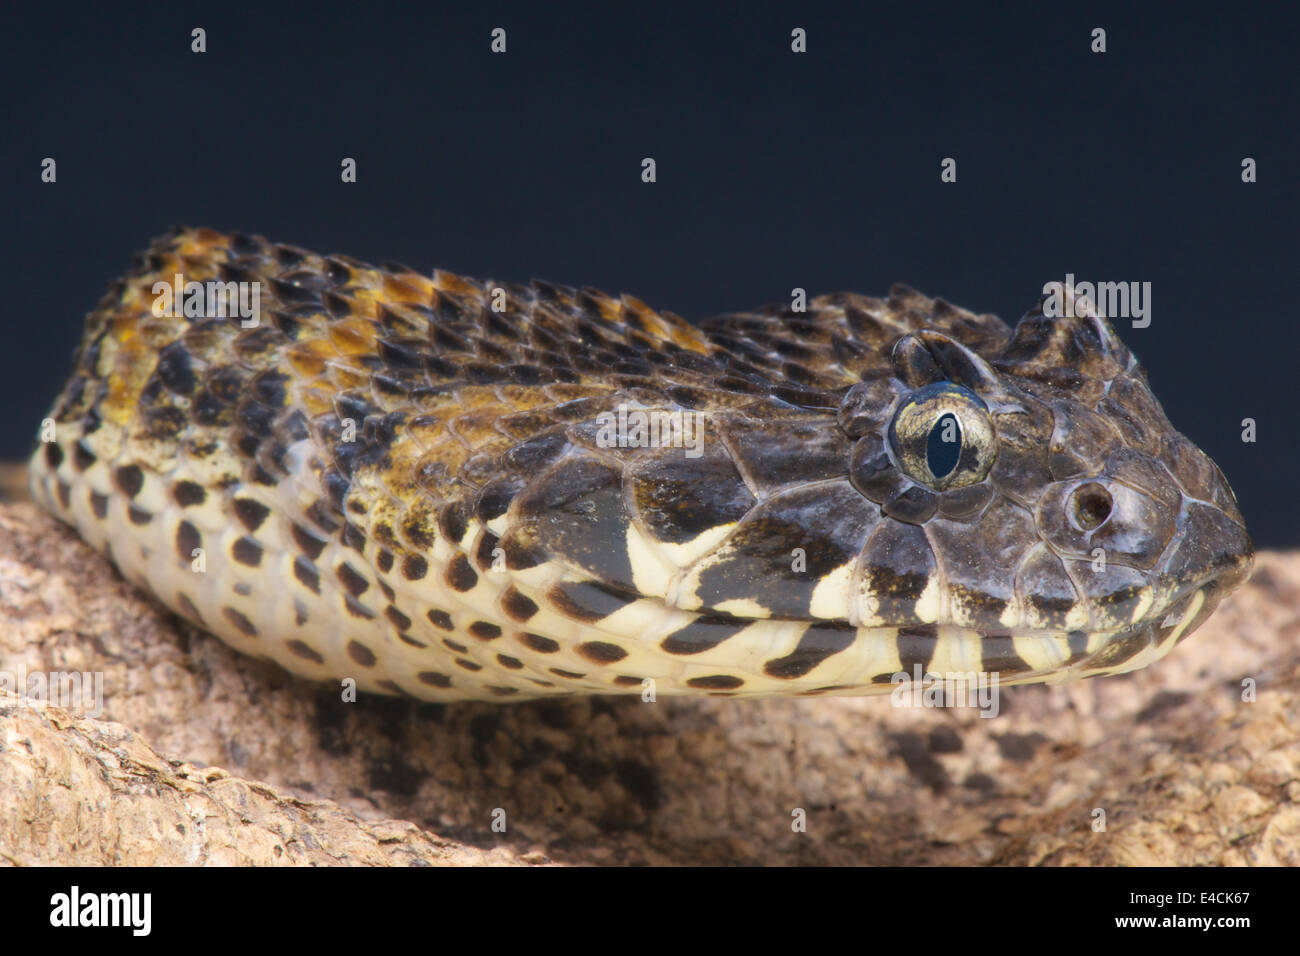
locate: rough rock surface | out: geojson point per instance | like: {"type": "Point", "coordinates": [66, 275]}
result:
{"type": "Point", "coordinates": [1183, 769]}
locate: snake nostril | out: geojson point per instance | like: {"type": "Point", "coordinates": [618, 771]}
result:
{"type": "Point", "coordinates": [1090, 506]}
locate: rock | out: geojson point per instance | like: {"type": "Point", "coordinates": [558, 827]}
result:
{"type": "Point", "coordinates": [1181, 768]}
{"type": "Point", "coordinates": [90, 792]}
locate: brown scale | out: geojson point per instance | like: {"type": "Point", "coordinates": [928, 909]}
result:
{"type": "Point", "coordinates": [435, 404]}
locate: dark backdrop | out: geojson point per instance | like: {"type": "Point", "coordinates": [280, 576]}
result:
{"type": "Point", "coordinates": [775, 170]}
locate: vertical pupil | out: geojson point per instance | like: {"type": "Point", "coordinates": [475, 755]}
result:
{"type": "Point", "coordinates": [943, 450]}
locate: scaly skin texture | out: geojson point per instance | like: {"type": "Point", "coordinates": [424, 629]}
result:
{"type": "Point", "coordinates": [423, 484]}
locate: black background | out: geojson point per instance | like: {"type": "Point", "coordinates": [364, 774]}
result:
{"type": "Point", "coordinates": [775, 170]}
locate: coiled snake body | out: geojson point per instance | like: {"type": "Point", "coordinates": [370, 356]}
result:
{"type": "Point", "coordinates": [471, 490]}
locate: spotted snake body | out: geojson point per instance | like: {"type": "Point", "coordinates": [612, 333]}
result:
{"type": "Point", "coordinates": [408, 480]}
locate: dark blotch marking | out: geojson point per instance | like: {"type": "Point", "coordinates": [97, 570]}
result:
{"type": "Point", "coordinates": [494, 500]}
{"type": "Point", "coordinates": [305, 651]}
{"type": "Point", "coordinates": [250, 513]}
{"type": "Point", "coordinates": [187, 539]}
{"type": "Point", "coordinates": [53, 455]}
{"type": "Point", "coordinates": [357, 609]}
{"type": "Point", "coordinates": [175, 369]}
{"type": "Point", "coordinates": [134, 512]}
{"type": "Point", "coordinates": [588, 600]}
{"type": "Point", "coordinates": [385, 561]}
{"type": "Point", "coordinates": [828, 522]}
{"type": "Point", "coordinates": [679, 498]}
{"type": "Point", "coordinates": [247, 551]}
{"type": "Point", "coordinates": [129, 479]}
{"type": "Point", "coordinates": [414, 567]}
{"type": "Point", "coordinates": [311, 545]}
{"type": "Point", "coordinates": [244, 625]}
{"type": "Point", "coordinates": [440, 619]}
{"type": "Point", "coordinates": [361, 654]}
{"type": "Point", "coordinates": [354, 538]}
{"type": "Point", "coordinates": [716, 682]}
{"type": "Point", "coordinates": [483, 556]}
{"type": "Point", "coordinates": [988, 606]}
{"type": "Point", "coordinates": [323, 515]}
{"type": "Point", "coordinates": [518, 606]}
{"type": "Point", "coordinates": [468, 665]}
{"type": "Point", "coordinates": [916, 646]}
{"type": "Point", "coordinates": [818, 642]}
{"type": "Point", "coordinates": [702, 634]}
{"type": "Point", "coordinates": [514, 663]}
{"type": "Point", "coordinates": [268, 388]}
{"type": "Point", "coordinates": [998, 653]}
{"type": "Point", "coordinates": [400, 620]}
{"type": "Point", "coordinates": [188, 493]}
{"type": "Point", "coordinates": [418, 533]}
{"type": "Point", "coordinates": [306, 572]}
{"type": "Point", "coordinates": [897, 565]}
{"type": "Point", "coordinates": [576, 510]}
{"type": "Point", "coordinates": [433, 679]}
{"type": "Point", "coordinates": [351, 579]}
{"type": "Point", "coordinates": [535, 642]}
{"type": "Point", "coordinates": [485, 631]}
{"type": "Point", "coordinates": [459, 575]}
{"type": "Point", "coordinates": [452, 521]}
{"type": "Point", "coordinates": [571, 675]}
{"type": "Point", "coordinates": [99, 505]}
{"type": "Point", "coordinates": [82, 457]}
{"type": "Point", "coordinates": [521, 553]}
{"type": "Point", "coordinates": [601, 652]}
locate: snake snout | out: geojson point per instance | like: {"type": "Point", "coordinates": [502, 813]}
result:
{"type": "Point", "coordinates": [1212, 545]}
{"type": "Point", "coordinates": [1212, 549]}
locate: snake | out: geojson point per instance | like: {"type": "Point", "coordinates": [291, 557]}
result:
{"type": "Point", "coordinates": [455, 489]}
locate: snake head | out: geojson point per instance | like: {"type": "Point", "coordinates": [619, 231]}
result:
{"type": "Point", "coordinates": [1058, 503]}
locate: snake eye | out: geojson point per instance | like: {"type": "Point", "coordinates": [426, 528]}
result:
{"type": "Point", "coordinates": [942, 437]}
{"type": "Point", "coordinates": [943, 450]}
